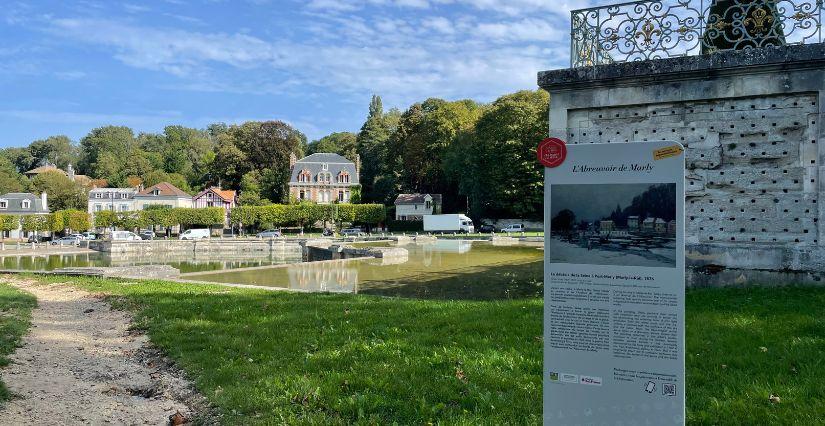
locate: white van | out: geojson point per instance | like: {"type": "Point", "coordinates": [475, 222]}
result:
{"type": "Point", "coordinates": [513, 227]}
{"type": "Point", "coordinates": [124, 236]}
{"type": "Point", "coordinates": [194, 234]}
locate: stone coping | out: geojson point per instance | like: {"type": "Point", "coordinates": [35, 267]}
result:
{"type": "Point", "coordinates": [699, 66]}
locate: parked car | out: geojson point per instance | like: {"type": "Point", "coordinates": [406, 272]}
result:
{"type": "Point", "coordinates": [66, 241]}
{"type": "Point", "coordinates": [328, 232]}
{"type": "Point", "coordinates": [38, 238]}
{"type": "Point", "coordinates": [352, 232]}
{"type": "Point", "coordinates": [269, 233]}
{"type": "Point", "coordinates": [194, 234]}
{"type": "Point", "coordinates": [89, 236]}
{"type": "Point", "coordinates": [124, 236]}
{"type": "Point", "coordinates": [513, 227]}
{"type": "Point", "coordinates": [486, 229]}
{"type": "Point", "coordinates": [146, 234]}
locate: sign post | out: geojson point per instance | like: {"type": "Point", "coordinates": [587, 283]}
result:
{"type": "Point", "coordinates": [614, 283]}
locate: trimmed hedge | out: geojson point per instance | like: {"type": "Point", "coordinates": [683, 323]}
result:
{"type": "Point", "coordinates": [302, 214]}
{"type": "Point", "coordinates": [76, 220]}
{"type": "Point", "coordinates": [166, 217]}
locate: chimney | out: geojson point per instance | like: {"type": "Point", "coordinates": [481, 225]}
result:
{"type": "Point", "coordinates": [44, 200]}
{"type": "Point", "coordinates": [292, 160]}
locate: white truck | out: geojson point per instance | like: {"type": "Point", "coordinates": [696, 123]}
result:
{"type": "Point", "coordinates": [457, 223]}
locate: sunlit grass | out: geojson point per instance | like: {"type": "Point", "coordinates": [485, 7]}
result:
{"type": "Point", "coordinates": [15, 318]}
{"type": "Point", "coordinates": [273, 357]}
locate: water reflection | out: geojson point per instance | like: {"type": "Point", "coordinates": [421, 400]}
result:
{"type": "Point", "coordinates": [443, 269]}
{"type": "Point", "coordinates": [185, 263]}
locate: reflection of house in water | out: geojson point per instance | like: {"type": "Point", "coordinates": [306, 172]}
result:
{"type": "Point", "coordinates": [336, 276]}
{"type": "Point", "coordinates": [633, 223]}
{"type": "Point", "coordinates": [606, 225]}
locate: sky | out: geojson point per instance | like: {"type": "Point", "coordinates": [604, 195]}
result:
{"type": "Point", "coordinates": [67, 67]}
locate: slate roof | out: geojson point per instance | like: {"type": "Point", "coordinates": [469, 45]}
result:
{"type": "Point", "coordinates": [107, 191]}
{"type": "Point", "coordinates": [165, 189]}
{"type": "Point", "coordinates": [416, 199]}
{"type": "Point", "coordinates": [15, 203]}
{"type": "Point", "coordinates": [314, 164]}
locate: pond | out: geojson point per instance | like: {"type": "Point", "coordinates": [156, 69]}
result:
{"type": "Point", "coordinates": [185, 263]}
{"type": "Point", "coordinates": [443, 269]}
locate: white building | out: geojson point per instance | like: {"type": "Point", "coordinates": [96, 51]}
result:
{"type": "Point", "coordinates": [416, 206]}
{"type": "Point", "coordinates": [21, 204]}
{"type": "Point", "coordinates": [114, 199]}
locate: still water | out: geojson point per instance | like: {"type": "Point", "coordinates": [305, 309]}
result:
{"type": "Point", "coordinates": [444, 269]}
{"type": "Point", "coordinates": [185, 263]}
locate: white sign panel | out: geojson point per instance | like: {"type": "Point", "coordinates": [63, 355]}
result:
{"type": "Point", "coordinates": [614, 285]}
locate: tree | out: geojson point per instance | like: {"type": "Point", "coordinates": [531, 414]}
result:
{"type": "Point", "coordinates": [506, 133]}
{"type": "Point", "coordinates": [57, 150]}
{"type": "Point", "coordinates": [371, 145]}
{"type": "Point", "coordinates": [62, 192]}
{"type": "Point", "coordinates": [10, 179]}
{"type": "Point", "coordinates": [563, 222]}
{"type": "Point", "coordinates": [105, 151]}
{"type": "Point", "coordinates": [343, 143]}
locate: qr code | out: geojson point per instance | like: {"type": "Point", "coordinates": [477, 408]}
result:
{"type": "Point", "coordinates": [668, 389]}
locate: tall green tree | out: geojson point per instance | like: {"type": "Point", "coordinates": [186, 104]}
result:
{"type": "Point", "coordinates": [343, 143]}
{"type": "Point", "coordinates": [506, 133]}
{"type": "Point", "coordinates": [10, 179]}
{"type": "Point", "coordinates": [57, 150]}
{"type": "Point", "coordinates": [371, 145]}
{"type": "Point", "coordinates": [63, 193]}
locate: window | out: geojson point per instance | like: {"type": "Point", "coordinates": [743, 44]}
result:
{"type": "Point", "coordinates": [209, 195]}
{"type": "Point", "coordinates": [304, 176]}
{"type": "Point", "coordinates": [26, 204]}
{"type": "Point", "coordinates": [98, 207]}
{"type": "Point", "coordinates": [124, 207]}
{"type": "Point", "coordinates": [98, 195]}
{"type": "Point", "coordinates": [124, 195]}
{"type": "Point", "coordinates": [325, 166]}
{"type": "Point", "coordinates": [155, 192]}
{"type": "Point", "coordinates": [428, 205]}
{"type": "Point", "coordinates": [4, 204]}
{"type": "Point", "coordinates": [343, 177]}
{"type": "Point", "coordinates": [341, 196]}
{"type": "Point", "coordinates": [302, 195]}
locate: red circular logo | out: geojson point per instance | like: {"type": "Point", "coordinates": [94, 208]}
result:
{"type": "Point", "coordinates": [552, 152]}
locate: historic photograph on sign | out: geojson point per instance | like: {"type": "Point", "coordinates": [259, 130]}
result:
{"type": "Point", "coordinates": [613, 224]}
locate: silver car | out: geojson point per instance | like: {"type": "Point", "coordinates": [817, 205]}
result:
{"type": "Point", "coordinates": [269, 233]}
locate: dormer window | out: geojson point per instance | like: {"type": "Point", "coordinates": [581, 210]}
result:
{"type": "Point", "coordinates": [98, 195]}
{"type": "Point", "coordinates": [124, 195]}
{"type": "Point", "coordinates": [155, 192]}
{"type": "Point", "coordinates": [26, 204]}
{"type": "Point", "coordinates": [343, 177]}
{"type": "Point", "coordinates": [4, 204]}
{"type": "Point", "coordinates": [325, 166]}
{"type": "Point", "coordinates": [304, 176]}
{"type": "Point", "coordinates": [209, 195]}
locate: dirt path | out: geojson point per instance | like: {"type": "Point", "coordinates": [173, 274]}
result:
{"type": "Point", "coordinates": [80, 364]}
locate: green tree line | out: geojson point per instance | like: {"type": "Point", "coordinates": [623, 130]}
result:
{"type": "Point", "coordinates": [74, 220]}
{"type": "Point", "coordinates": [305, 213]}
{"type": "Point", "coordinates": [480, 156]}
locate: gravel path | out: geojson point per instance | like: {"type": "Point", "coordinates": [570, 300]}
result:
{"type": "Point", "coordinates": [80, 364]}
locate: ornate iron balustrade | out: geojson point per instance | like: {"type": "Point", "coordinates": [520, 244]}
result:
{"type": "Point", "coordinates": [642, 30]}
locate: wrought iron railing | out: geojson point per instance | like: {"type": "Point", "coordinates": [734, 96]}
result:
{"type": "Point", "coordinates": [643, 30]}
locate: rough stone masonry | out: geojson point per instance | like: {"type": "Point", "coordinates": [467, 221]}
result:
{"type": "Point", "coordinates": [750, 122]}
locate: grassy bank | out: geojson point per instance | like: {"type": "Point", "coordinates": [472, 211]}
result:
{"type": "Point", "coordinates": [340, 359]}
{"type": "Point", "coordinates": [15, 318]}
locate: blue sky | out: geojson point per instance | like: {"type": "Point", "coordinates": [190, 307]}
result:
{"type": "Point", "coordinates": [69, 66]}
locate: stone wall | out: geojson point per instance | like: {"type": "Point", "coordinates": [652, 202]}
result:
{"type": "Point", "coordinates": [750, 122]}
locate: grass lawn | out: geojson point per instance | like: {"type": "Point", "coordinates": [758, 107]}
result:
{"type": "Point", "coordinates": [15, 318]}
{"type": "Point", "coordinates": [271, 357]}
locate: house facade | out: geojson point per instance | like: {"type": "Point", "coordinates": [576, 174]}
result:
{"type": "Point", "coordinates": [416, 206]}
{"type": "Point", "coordinates": [163, 194]}
{"type": "Point", "coordinates": [114, 199]}
{"type": "Point", "coordinates": [216, 197]}
{"type": "Point", "coordinates": [323, 178]}
{"type": "Point", "coordinates": [20, 204]}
